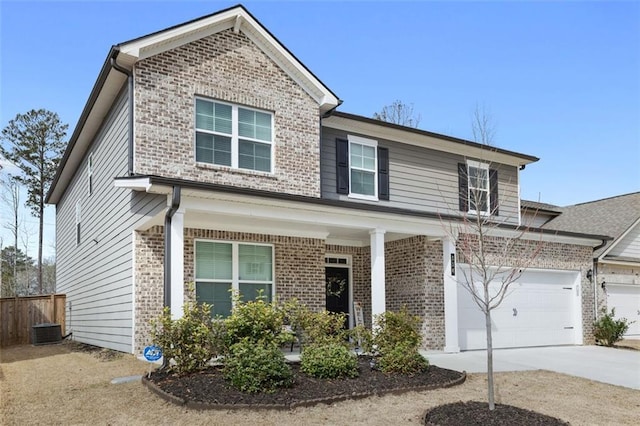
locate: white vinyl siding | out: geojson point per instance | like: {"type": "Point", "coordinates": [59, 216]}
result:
{"type": "Point", "coordinates": [97, 276]}
{"type": "Point", "coordinates": [233, 136]}
{"type": "Point", "coordinates": [629, 245]}
{"type": "Point", "coordinates": [224, 268]}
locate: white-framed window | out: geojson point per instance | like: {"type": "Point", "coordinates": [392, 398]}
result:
{"type": "Point", "coordinates": [90, 173]}
{"type": "Point", "coordinates": [234, 136]}
{"type": "Point", "coordinates": [479, 190]}
{"type": "Point", "coordinates": [223, 268]}
{"type": "Point", "coordinates": [78, 222]}
{"type": "Point", "coordinates": [363, 168]}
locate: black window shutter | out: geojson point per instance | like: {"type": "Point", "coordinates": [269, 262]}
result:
{"type": "Point", "coordinates": [342, 166]}
{"type": "Point", "coordinates": [383, 173]}
{"type": "Point", "coordinates": [463, 187]}
{"type": "Point", "coordinates": [493, 191]}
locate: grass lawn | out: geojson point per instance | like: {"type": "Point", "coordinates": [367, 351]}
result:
{"type": "Point", "coordinates": [54, 385]}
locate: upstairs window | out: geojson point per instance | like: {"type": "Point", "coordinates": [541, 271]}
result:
{"type": "Point", "coordinates": [226, 267]}
{"type": "Point", "coordinates": [362, 168]}
{"type": "Point", "coordinates": [234, 136]}
{"type": "Point", "coordinates": [90, 173]}
{"type": "Point", "coordinates": [478, 188]}
{"type": "Point", "coordinates": [78, 222]}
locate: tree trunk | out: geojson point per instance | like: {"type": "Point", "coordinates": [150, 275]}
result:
{"type": "Point", "coordinates": [492, 403]}
{"type": "Point", "coordinates": [41, 228]}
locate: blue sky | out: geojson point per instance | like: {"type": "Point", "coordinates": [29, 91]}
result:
{"type": "Point", "coordinates": [561, 80]}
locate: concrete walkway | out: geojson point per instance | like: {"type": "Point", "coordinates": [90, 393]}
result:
{"type": "Point", "coordinates": [614, 366]}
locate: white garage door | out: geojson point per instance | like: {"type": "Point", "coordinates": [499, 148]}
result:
{"type": "Point", "coordinates": [626, 300]}
{"type": "Point", "coordinates": [540, 309]}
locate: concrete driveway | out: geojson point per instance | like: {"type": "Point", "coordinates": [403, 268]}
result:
{"type": "Point", "coordinates": [614, 366]}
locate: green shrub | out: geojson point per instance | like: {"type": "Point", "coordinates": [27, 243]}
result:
{"type": "Point", "coordinates": [396, 339]}
{"type": "Point", "coordinates": [362, 338]}
{"type": "Point", "coordinates": [328, 361]}
{"type": "Point", "coordinates": [608, 331]}
{"type": "Point", "coordinates": [190, 341]}
{"type": "Point", "coordinates": [403, 359]}
{"type": "Point", "coordinates": [395, 328]}
{"type": "Point", "coordinates": [316, 327]}
{"type": "Point", "coordinates": [256, 367]}
{"type": "Point", "coordinates": [257, 321]}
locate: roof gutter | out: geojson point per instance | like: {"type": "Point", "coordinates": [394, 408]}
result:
{"type": "Point", "coordinates": [129, 75]}
{"type": "Point", "coordinates": [102, 77]}
{"type": "Point", "coordinates": [604, 243]}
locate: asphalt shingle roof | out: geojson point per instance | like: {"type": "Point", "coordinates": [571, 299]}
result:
{"type": "Point", "coordinates": [609, 216]}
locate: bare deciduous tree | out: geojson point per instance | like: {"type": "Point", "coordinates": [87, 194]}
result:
{"type": "Point", "coordinates": [491, 256]}
{"type": "Point", "coordinates": [399, 113]}
{"type": "Point", "coordinates": [10, 197]}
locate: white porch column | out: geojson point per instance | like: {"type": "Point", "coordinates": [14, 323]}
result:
{"type": "Point", "coordinates": [377, 272]}
{"type": "Point", "coordinates": [450, 295]}
{"type": "Point", "coordinates": [177, 264]}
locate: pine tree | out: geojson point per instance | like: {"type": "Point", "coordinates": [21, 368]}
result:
{"type": "Point", "coordinates": [34, 142]}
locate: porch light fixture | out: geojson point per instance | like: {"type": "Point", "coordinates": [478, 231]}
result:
{"type": "Point", "coordinates": [603, 285]}
{"type": "Point", "coordinates": [590, 275]}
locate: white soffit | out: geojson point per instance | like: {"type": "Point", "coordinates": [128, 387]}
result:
{"type": "Point", "coordinates": [239, 20]}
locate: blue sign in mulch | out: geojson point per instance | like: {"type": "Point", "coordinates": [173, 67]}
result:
{"type": "Point", "coordinates": [152, 353]}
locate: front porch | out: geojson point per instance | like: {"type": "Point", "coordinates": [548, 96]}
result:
{"type": "Point", "coordinates": [389, 263]}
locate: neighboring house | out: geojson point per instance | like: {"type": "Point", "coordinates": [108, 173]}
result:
{"type": "Point", "coordinates": [208, 154]}
{"type": "Point", "coordinates": [616, 265]}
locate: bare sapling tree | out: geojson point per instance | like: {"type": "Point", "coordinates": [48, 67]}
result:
{"type": "Point", "coordinates": [493, 251]}
{"type": "Point", "coordinates": [10, 197]}
{"type": "Point", "coordinates": [399, 113]}
{"type": "Point", "coordinates": [34, 142]}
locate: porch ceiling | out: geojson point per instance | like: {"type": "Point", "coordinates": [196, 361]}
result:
{"type": "Point", "coordinates": [336, 226]}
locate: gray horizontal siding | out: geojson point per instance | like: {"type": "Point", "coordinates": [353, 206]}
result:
{"type": "Point", "coordinates": [629, 246]}
{"type": "Point", "coordinates": [97, 275]}
{"type": "Point", "coordinates": [419, 178]}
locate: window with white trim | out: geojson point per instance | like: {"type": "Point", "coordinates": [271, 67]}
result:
{"type": "Point", "coordinates": [479, 193]}
{"type": "Point", "coordinates": [223, 268]}
{"type": "Point", "coordinates": [90, 173]}
{"type": "Point", "coordinates": [233, 136]}
{"type": "Point", "coordinates": [78, 222]}
{"type": "Point", "coordinates": [363, 168]}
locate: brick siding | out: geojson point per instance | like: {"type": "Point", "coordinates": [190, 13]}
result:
{"type": "Point", "coordinates": [228, 67]}
{"type": "Point", "coordinates": [299, 270]}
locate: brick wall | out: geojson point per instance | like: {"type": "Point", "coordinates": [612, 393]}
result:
{"type": "Point", "coordinates": [229, 67]}
{"type": "Point", "coordinates": [148, 293]}
{"type": "Point", "coordinates": [414, 278]}
{"type": "Point", "coordinates": [299, 270]}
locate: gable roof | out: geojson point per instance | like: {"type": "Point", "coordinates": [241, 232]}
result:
{"type": "Point", "coordinates": [240, 20]}
{"type": "Point", "coordinates": [612, 216]}
{"type": "Point", "coordinates": [381, 129]}
{"type": "Point", "coordinates": [542, 207]}
{"type": "Point", "coordinates": [110, 81]}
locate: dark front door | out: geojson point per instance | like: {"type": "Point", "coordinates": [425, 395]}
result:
{"type": "Point", "coordinates": [337, 290]}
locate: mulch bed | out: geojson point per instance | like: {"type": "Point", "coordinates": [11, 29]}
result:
{"type": "Point", "coordinates": [474, 413]}
{"type": "Point", "coordinates": [208, 390]}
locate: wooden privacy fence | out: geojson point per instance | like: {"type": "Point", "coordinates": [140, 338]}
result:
{"type": "Point", "coordinates": [19, 314]}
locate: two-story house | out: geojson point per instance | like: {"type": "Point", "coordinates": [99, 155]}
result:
{"type": "Point", "coordinates": [208, 154]}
